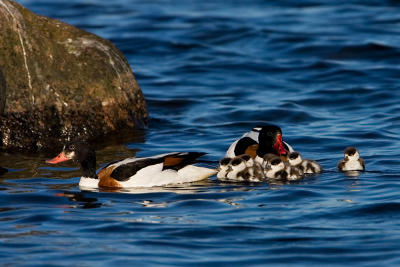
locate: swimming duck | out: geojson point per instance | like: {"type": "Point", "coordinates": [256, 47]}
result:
{"type": "Point", "coordinates": [351, 161]}
{"type": "Point", "coordinates": [260, 141]}
{"type": "Point", "coordinates": [307, 166]}
{"type": "Point", "coordinates": [159, 170]}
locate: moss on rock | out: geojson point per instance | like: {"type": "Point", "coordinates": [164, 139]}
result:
{"type": "Point", "coordinates": [62, 83]}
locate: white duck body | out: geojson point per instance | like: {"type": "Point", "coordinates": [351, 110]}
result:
{"type": "Point", "coordinates": [156, 175]}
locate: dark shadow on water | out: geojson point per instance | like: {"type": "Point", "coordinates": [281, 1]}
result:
{"type": "Point", "coordinates": [80, 200]}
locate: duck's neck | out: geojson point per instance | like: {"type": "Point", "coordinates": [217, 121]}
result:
{"type": "Point", "coordinates": [88, 166]}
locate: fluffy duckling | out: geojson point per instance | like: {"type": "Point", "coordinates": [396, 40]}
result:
{"type": "Point", "coordinates": [307, 166]}
{"type": "Point", "coordinates": [254, 169]}
{"type": "Point", "coordinates": [276, 165]}
{"type": "Point", "coordinates": [293, 173]}
{"type": "Point", "coordinates": [237, 165]}
{"type": "Point", "coordinates": [351, 161]}
{"type": "Point", "coordinates": [267, 160]}
{"type": "Point", "coordinates": [224, 168]}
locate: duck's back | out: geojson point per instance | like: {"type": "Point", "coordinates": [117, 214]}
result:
{"type": "Point", "coordinates": [154, 171]}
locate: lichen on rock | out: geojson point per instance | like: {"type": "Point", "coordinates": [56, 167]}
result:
{"type": "Point", "coordinates": [61, 83]}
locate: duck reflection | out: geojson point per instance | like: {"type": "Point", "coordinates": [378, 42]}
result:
{"type": "Point", "coordinates": [81, 200]}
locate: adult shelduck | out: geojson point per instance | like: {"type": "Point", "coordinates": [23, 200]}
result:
{"type": "Point", "coordinates": [259, 141]}
{"type": "Point", "coordinates": [159, 170]}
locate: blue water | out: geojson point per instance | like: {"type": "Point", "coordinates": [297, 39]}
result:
{"type": "Point", "coordinates": [328, 74]}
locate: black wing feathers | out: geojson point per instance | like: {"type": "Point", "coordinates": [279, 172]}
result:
{"type": "Point", "coordinates": [178, 161]}
{"type": "Point", "coordinates": [243, 144]}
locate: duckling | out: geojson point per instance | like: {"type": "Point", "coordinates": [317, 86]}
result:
{"type": "Point", "coordinates": [267, 160]}
{"type": "Point", "coordinates": [244, 175]}
{"type": "Point", "coordinates": [237, 165]}
{"type": "Point", "coordinates": [224, 168]}
{"type": "Point", "coordinates": [351, 161]}
{"type": "Point", "coordinates": [281, 175]}
{"type": "Point", "coordinates": [276, 165]}
{"type": "Point", "coordinates": [307, 166]}
{"type": "Point", "coordinates": [293, 173]}
{"type": "Point", "coordinates": [254, 169]}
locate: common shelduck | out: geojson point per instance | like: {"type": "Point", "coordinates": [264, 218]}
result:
{"type": "Point", "coordinates": [351, 161]}
{"type": "Point", "coordinates": [159, 170]}
{"type": "Point", "coordinates": [307, 166]}
{"type": "Point", "coordinates": [260, 141]}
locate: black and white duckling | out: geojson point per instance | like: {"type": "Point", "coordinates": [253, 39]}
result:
{"type": "Point", "coordinates": [260, 141]}
{"type": "Point", "coordinates": [275, 169]}
{"type": "Point", "coordinates": [224, 168]}
{"type": "Point", "coordinates": [267, 160]}
{"type": "Point", "coordinates": [240, 168]}
{"type": "Point", "coordinates": [307, 166]}
{"type": "Point", "coordinates": [254, 169]}
{"type": "Point", "coordinates": [351, 161]}
{"type": "Point", "coordinates": [293, 173]}
{"type": "Point", "coordinates": [237, 166]}
{"type": "Point", "coordinates": [278, 169]}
